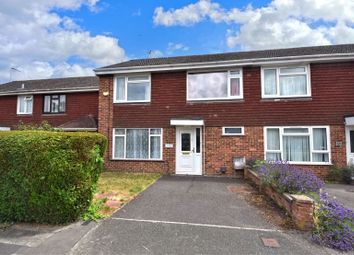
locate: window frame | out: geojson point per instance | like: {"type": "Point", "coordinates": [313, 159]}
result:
{"type": "Point", "coordinates": [229, 77]}
{"type": "Point", "coordinates": [19, 102]}
{"type": "Point", "coordinates": [233, 134]}
{"type": "Point", "coordinates": [309, 133]}
{"type": "Point", "coordinates": [125, 145]}
{"type": "Point", "coordinates": [126, 77]}
{"type": "Point", "coordinates": [277, 68]}
{"type": "Point", "coordinates": [50, 104]}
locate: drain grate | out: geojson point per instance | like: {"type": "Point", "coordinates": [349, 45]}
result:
{"type": "Point", "coordinates": [270, 242]}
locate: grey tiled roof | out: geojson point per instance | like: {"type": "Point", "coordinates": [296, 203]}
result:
{"type": "Point", "coordinates": [243, 55]}
{"type": "Point", "coordinates": [57, 84]}
{"type": "Point", "coordinates": [85, 122]}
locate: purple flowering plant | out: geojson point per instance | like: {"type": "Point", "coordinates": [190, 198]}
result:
{"type": "Point", "coordinates": [288, 178]}
{"type": "Point", "coordinates": [334, 224]}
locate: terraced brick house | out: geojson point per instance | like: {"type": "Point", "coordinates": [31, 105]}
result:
{"type": "Point", "coordinates": [195, 114]}
{"type": "Point", "coordinates": [70, 104]}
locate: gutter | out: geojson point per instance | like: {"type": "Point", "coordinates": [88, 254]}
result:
{"type": "Point", "coordinates": [34, 92]}
{"type": "Point", "coordinates": [227, 63]}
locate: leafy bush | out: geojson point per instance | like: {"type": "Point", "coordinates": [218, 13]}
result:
{"type": "Point", "coordinates": [287, 178]}
{"type": "Point", "coordinates": [334, 225]}
{"type": "Point", "coordinates": [338, 174]}
{"type": "Point", "coordinates": [48, 177]}
{"type": "Point", "coordinates": [347, 174]}
{"type": "Point", "coordinates": [43, 126]}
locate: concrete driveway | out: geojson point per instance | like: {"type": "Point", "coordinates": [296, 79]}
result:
{"type": "Point", "coordinates": [191, 215]}
{"type": "Point", "coordinates": [344, 193]}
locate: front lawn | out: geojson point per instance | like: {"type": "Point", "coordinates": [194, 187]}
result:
{"type": "Point", "coordinates": [119, 188]}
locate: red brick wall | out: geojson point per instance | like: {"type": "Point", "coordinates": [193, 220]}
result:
{"type": "Point", "coordinates": [77, 105]}
{"type": "Point", "coordinates": [332, 90]}
{"type": "Point", "coordinates": [219, 151]}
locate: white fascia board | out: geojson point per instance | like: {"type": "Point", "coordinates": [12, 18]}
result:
{"type": "Point", "coordinates": [186, 122]}
{"type": "Point", "coordinates": [36, 92]}
{"type": "Point", "coordinates": [233, 63]}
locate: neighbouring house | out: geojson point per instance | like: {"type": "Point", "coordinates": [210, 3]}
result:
{"type": "Point", "coordinates": [194, 114]}
{"type": "Point", "coordinates": [70, 104]}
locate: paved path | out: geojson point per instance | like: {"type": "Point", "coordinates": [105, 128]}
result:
{"type": "Point", "coordinates": [191, 215]}
{"type": "Point", "coordinates": [344, 193]}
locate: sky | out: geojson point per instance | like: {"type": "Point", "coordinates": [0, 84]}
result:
{"type": "Point", "coordinates": [62, 38]}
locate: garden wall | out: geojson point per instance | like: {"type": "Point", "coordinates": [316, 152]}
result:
{"type": "Point", "coordinates": [299, 207]}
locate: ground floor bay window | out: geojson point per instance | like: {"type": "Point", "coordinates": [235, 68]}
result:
{"type": "Point", "coordinates": [297, 144]}
{"type": "Point", "coordinates": [139, 144]}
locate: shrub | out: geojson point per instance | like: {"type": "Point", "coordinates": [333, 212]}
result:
{"type": "Point", "coordinates": [43, 126]}
{"type": "Point", "coordinates": [287, 178]}
{"type": "Point", "coordinates": [334, 225]}
{"type": "Point", "coordinates": [48, 177]}
{"type": "Point", "coordinates": [347, 174]}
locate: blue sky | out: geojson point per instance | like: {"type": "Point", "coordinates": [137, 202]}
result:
{"type": "Point", "coordinates": [132, 23]}
{"type": "Point", "coordinates": [60, 38]}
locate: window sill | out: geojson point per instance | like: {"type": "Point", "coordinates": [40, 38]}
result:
{"type": "Point", "coordinates": [132, 103]}
{"type": "Point", "coordinates": [208, 101]}
{"type": "Point", "coordinates": [25, 114]}
{"type": "Point", "coordinates": [311, 163]}
{"type": "Point", "coordinates": [238, 135]}
{"type": "Point", "coordinates": [144, 160]}
{"type": "Point", "coordinates": [54, 114]}
{"type": "Point", "coordinates": [286, 99]}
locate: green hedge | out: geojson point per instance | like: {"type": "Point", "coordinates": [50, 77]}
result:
{"type": "Point", "coordinates": [48, 177]}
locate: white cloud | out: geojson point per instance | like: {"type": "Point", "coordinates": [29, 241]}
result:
{"type": "Point", "coordinates": [41, 43]}
{"type": "Point", "coordinates": [282, 23]}
{"type": "Point", "coordinates": [172, 47]}
{"type": "Point", "coordinates": [155, 54]}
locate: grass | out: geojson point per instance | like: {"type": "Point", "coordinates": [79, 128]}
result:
{"type": "Point", "coordinates": [118, 188]}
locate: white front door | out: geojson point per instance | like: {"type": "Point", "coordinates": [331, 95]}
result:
{"type": "Point", "coordinates": [189, 150]}
{"type": "Point", "coordinates": [349, 130]}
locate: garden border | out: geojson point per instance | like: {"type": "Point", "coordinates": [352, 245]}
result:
{"type": "Point", "coordinates": [299, 207]}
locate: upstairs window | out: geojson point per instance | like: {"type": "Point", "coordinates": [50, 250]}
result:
{"type": "Point", "coordinates": [25, 104]}
{"type": "Point", "coordinates": [215, 85]}
{"type": "Point", "coordinates": [285, 82]}
{"type": "Point", "coordinates": [132, 89]}
{"type": "Point", "coordinates": [54, 104]}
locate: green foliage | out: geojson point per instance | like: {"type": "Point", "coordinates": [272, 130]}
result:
{"type": "Point", "coordinates": [43, 126]}
{"type": "Point", "coordinates": [337, 174]}
{"type": "Point", "coordinates": [48, 177]}
{"type": "Point", "coordinates": [93, 211]}
{"type": "Point", "coordinates": [259, 163]}
{"type": "Point", "coordinates": [334, 174]}
{"type": "Point", "coordinates": [347, 174]}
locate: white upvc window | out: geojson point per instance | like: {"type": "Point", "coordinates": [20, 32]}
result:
{"type": "Point", "coordinates": [25, 104]}
{"type": "Point", "coordinates": [137, 143]}
{"type": "Point", "coordinates": [215, 85]}
{"type": "Point", "coordinates": [285, 82]}
{"type": "Point", "coordinates": [132, 88]}
{"type": "Point", "coordinates": [233, 131]}
{"type": "Point", "coordinates": [298, 145]}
